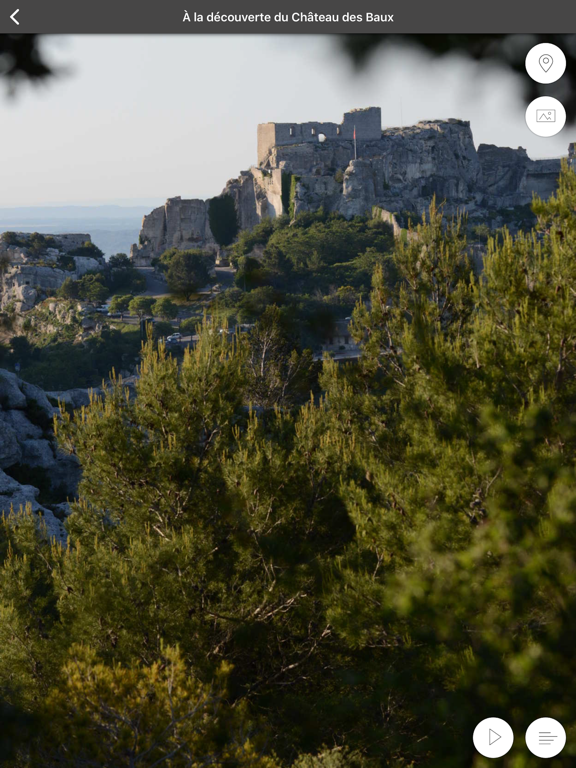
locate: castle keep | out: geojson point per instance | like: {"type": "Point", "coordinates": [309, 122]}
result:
{"type": "Point", "coordinates": [367, 122]}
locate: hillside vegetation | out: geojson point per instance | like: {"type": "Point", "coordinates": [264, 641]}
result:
{"type": "Point", "coordinates": [352, 581]}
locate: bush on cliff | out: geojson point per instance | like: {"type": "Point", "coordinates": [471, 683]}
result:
{"type": "Point", "coordinates": [87, 249]}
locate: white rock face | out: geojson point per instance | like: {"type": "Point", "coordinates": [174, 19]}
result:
{"type": "Point", "coordinates": [25, 280]}
{"type": "Point", "coordinates": [25, 444]}
{"type": "Point", "coordinates": [36, 394]}
{"type": "Point", "coordinates": [20, 424]}
{"type": "Point", "coordinates": [179, 223]}
{"type": "Point", "coordinates": [11, 396]}
{"type": "Point", "coordinates": [38, 453]}
{"type": "Point", "coordinates": [75, 397]}
{"type": "Point", "coordinates": [10, 448]}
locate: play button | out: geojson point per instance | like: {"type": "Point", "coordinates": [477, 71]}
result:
{"type": "Point", "coordinates": [493, 737]}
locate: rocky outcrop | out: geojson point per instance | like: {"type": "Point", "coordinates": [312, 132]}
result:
{"type": "Point", "coordinates": [14, 496]}
{"type": "Point", "coordinates": [179, 223]}
{"type": "Point", "coordinates": [397, 169]}
{"type": "Point", "coordinates": [27, 449]}
{"type": "Point", "coordinates": [32, 269]}
{"type": "Point", "coordinates": [75, 398]}
{"type": "Point", "coordinates": [257, 194]}
{"type": "Point", "coordinates": [510, 177]}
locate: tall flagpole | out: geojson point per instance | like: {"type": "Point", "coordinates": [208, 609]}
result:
{"type": "Point", "coordinates": [355, 152]}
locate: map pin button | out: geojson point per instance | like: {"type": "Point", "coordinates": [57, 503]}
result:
{"type": "Point", "coordinates": [546, 61]}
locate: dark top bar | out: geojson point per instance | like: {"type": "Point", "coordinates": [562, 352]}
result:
{"type": "Point", "coordinates": [400, 16]}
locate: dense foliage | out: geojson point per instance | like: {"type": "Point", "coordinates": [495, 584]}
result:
{"type": "Point", "coordinates": [59, 364]}
{"type": "Point", "coordinates": [223, 219]}
{"type": "Point", "coordinates": [350, 583]}
{"type": "Point", "coordinates": [119, 275]}
{"type": "Point", "coordinates": [187, 272]}
{"type": "Point", "coordinates": [35, 242]}
{"type": "Point", "coordinates": [88, 249]}
{"type": "Point", "coordinates": [316, 267]}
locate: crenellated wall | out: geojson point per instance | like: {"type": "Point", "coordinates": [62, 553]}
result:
{"type": "Point", "coordinates": [367, 122]}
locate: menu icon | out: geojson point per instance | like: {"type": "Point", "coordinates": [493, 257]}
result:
{"type": "Point", "coordinates": [545, 737]}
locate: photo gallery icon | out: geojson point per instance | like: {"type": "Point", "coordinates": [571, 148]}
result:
{"type": "Point", "coordinates": [545, 115]}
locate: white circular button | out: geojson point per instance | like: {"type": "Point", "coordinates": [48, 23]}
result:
{"type": "Point", "coordinates": [545, 116]}
{"type": "Point", "coordinates": [545, 737]}
{"type": "Point", "coordinates": [545, 63]}
{"type": "Point", "coordinates": [493, 737]}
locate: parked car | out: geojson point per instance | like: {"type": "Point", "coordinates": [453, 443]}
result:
{"type": "Point", "coordinates": [174, 337]}
{"type": "Point", "coordinates": [114, 315]}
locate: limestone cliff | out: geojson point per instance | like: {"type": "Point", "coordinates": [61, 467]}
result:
{"type": "Point", "coordinates": [178, 224]}
{"type": "Point", "coordinates": [32, 266]}
{"type": "Point", "coordinates": [355, 165]}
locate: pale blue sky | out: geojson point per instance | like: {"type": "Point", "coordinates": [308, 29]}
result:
{"type": "Point", "coordinates": [143, 118]}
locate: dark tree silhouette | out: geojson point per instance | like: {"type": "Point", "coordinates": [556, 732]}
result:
{"type": "Point", "coordinates": [508, 50]}
{"type": "Point", "coordinates": [21, 58]}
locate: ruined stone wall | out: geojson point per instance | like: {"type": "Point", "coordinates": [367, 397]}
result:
{"type": "Point", "coordinates": [68, 242]}
{"type": "Point", "coordinates": [179, 223]}
{"type": "Point", "coordinates": [266, 140]}
{"type": "Point", "coordinates": [367, 122]}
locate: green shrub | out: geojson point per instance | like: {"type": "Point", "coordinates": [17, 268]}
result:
{"type": "Point", "coordinates": [293, 186]}
{"type": "Point", "coordinates": [87, 249]}
{"type": "Point", "coordinates": [223, 219]}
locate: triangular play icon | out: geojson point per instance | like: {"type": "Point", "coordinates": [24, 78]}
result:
{"type": "Point", "coordinates": [493, 736]}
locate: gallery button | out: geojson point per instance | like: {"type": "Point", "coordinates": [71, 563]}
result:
{"type": "Point", "coordinates": [545, 737]}
{"type": "Point", "coordinates": [545, 63]}
{"type": "Point", "coordinates": [493, 737]}
{"type": "Point", "coordinates": [545, 116]}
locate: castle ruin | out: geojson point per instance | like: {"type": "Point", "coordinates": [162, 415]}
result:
{"type": "Point", "coordinates": [367, 123]}
{"type": "Point", "coordinates": [306, 166]}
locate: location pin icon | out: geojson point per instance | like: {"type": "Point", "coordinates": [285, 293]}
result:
{"type": "Point", "coordinates": [546, 61]}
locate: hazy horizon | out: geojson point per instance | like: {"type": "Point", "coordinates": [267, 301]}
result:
{"type": "Point", "coordinates": [139, 119]}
